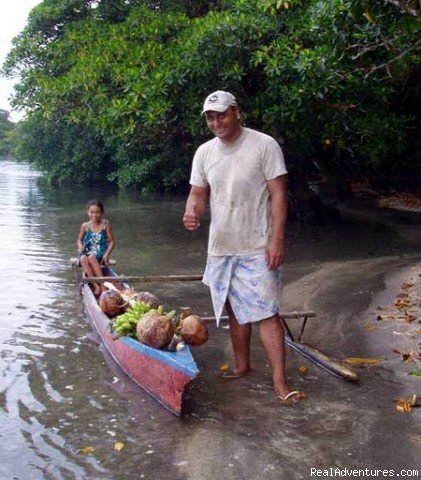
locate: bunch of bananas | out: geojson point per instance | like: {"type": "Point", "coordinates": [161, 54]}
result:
{"type": "Point", "coordinates": [125, 324]}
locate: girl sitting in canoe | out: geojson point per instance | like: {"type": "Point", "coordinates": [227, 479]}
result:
{"type": "Point", "coordinates": [95, 242]}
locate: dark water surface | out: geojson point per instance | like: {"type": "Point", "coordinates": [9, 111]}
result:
{"type": "Point", "coordinates": [63, 402]}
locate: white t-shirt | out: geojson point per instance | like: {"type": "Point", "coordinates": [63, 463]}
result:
{"type": "Point", "coordinates": [239, 196]}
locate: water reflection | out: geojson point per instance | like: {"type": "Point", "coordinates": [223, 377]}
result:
{"type": "Point", "coordinates": [64, 403]}
{"type": "Point", "coordinates": [60, 393]}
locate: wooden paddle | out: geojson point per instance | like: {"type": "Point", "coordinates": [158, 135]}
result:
{"type": "Point", "coordinates": [144, 279]}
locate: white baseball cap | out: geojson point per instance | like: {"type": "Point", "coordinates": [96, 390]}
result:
{"type": "Point", "coordinates": [219, 101]}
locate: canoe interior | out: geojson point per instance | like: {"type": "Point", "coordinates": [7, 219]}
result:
{"type": "Point", "coordinates": [164, 375]}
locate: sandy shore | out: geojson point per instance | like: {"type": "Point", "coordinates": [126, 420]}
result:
{"type": "Point", "coordinates": [241, 432]}
{"type": "Point", "coordinates": [246, 434]}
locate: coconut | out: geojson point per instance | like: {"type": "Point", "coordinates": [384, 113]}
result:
{"type": "Point", "coordinates": [145, 297]}
{"type": "Point", "coordinates": [193, 331]}
{"type": "Point", "coordinates": [111, 302]}
{"type": "Point", "coordinates": [155, 330]}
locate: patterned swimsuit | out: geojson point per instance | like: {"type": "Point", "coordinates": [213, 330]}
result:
{"type": "Point", "coordinates": [95, 243]}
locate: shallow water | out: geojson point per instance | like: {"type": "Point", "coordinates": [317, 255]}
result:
{"type": "Point", "coordinates": [63, 402]}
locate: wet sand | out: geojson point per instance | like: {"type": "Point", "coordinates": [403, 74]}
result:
{"type": "Point", "coordinates": [241, 431]}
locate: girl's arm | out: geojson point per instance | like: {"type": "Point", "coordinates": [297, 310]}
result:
{"type": "Point", "coordinates": [81, 236]}
{"type": "Point", "coordinates": [111, 244]}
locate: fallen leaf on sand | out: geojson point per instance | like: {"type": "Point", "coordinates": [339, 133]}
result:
{"type": "Point", "coordinates": [403, 408]}
{"type": "Point", "coordinates": [399, 303]}
{"type": "Point", "coordinates": [362, 361]}
{"type": "Point", "coordinates": [409, 318]}
{"type": "Point", "coordinates": [303, 369]}
{"type": "Point", "coordinates": [405, 404]}
{"type": "Point", "coordinates": [406, 355]}
{"type": "Point", "coordinates": [371, 328]}
{"type": "Point", "coordinates": [87, 450]}
{"type": "Point", "coordinates": [118, 446]}
{"type": "Point", "coordinates": [416, 439]}
{"type": "Point", "coordinates": [224, 368]}
{"type": "Point", "coordinates": [385, 317]}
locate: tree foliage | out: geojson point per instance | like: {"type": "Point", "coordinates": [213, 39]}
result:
{"type": "Point", "coordinates": [7, 131]}
{"type": "Point", "coordinates": [114, 89]}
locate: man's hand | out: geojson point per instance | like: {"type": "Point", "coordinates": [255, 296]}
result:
{"type": "Point", "coordinates": [274, 253]}
{"type": "Point", "coordinates": [195, 207]}
{"type": "Point", "coordinates": [191, 221]}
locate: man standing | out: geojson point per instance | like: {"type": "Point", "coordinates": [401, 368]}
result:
{"type": "Point", "coordinates": [244, 172]}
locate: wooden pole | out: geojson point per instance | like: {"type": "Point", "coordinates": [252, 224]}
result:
{"type": "Point", "coordinates": [287, 315]}
{"type": "Point", "coordinates": [144, 279]}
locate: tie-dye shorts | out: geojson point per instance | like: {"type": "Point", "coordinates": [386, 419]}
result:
{"type": "Point", "coordinates": [253, 290]}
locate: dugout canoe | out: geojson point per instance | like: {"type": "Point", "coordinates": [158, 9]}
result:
{"type": "Point", "coordinates": [164, 375]}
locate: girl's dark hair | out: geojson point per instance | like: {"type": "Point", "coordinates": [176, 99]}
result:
{"type": "Point", "coordinates": [95, 203]}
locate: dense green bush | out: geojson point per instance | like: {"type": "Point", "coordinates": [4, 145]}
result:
{"type": "Point", "coordinates": [7, 133]}
{"type": "Point", "coordinates": [114, 88]}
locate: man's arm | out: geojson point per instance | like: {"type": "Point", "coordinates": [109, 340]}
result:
{"type": "Point", "coordinates": [279, 206]}
{"type": "Point", "coordinates": [195, 207]}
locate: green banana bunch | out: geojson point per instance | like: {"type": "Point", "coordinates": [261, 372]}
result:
{"type": "Point", "coordinates": [158, 311]}
{"type": "Point", "coordinates": [125, 324]}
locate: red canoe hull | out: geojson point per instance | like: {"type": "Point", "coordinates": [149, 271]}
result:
{"type": "Point", "coordinates": [164, 375]}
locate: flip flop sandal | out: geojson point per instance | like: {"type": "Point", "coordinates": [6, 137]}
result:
{"type": "Point", "coordinates": [292, 398]}
{"type": "Point", "coordinates": [231, 375]}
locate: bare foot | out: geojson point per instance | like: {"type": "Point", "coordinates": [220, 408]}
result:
{"type": "Point", "coordinates": [287, 396]}
{"type": "Point", "coordinates": [291, 398]}
{"type": "Point", "coordinates": [282, 390]}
